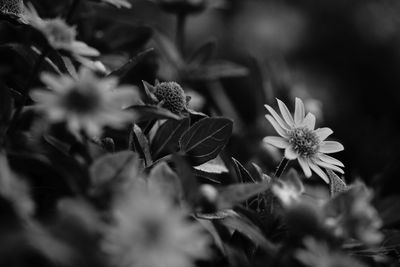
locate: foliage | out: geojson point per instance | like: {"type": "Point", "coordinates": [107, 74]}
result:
{"type": "Point", "coordinates": [101, 164]}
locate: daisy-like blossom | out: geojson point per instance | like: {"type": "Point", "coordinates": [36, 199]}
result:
{"type": "Point", "coordinates": [119, 3]}
{"type": "Point", "coordinates": [85, 104]}
{"type": "Point", "coordinates": [60, 35]}
{"type": "Point", "coordinates": [318, 254]}
{"type": "Point", "coordinates": [148, 231]}
{"type": "Point", "coordinates": [302, 141]}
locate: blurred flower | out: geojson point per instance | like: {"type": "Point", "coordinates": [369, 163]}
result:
{"type": "Point", "coordinates": [13, 7]}
{"type": "Point", "coordinates": [86, 104]}
{"type": "Point", "coordinates": [60, 35]}
{"type": "Point", "coordinates": [119, 3]}
{"type": "Point", "coordinates": [15, 190]}
{"type": "Point", "coordinates": [150, 232]}
{"type": "Point", "coordinates": [318, 254]}
{"type": "Point", "coordinates": [302, 141]}
{"type": "Point", "coordinates": [350, 214]}
{"type": "Point", "coordinates": [288, 189]}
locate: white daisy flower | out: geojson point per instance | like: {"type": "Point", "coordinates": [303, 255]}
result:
{"type": "Point", "coordinates": [60, 35]}
{"type": "Point", "coordinates": [86, 104]}
{"type": "Point", "coordinates": [149, 231]}
{"type": "Point", "coordinates": [302, 141]}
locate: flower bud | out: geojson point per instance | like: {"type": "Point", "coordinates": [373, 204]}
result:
{"type": "Point", "coordinates": [14, 7]}
{"type": "Point", "coordinates": [172, 95]}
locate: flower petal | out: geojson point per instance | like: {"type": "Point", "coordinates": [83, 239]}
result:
{"type": "Point", "coordinates": [304, 165]}
{"type": "Point", "coordinates": [276, 126]}
{"type": "Point", "coordinates": [319, 171]}
{"type": "Point", "coordinates": [290, 154]}
{"type": "Point", "coordinates": [309, 121]}
{"type": "Point", "coordinates": [330, 160]}
{"type": "Point", "coordinates": [276, 141]}
{"type": "Point", "coordinates": [42, 96]}
{"type": "Point", "coordinates": [323, 133]}
{"type": "Point", "coordinates": [57, 83]}
{"type": "Point", "coordinates": [330, 147]}
{"type": "Point", "coordinates": [329, 166]}
{"type": "Point", "coordinates": [285, 113]}
{"type": "Point", "coordinates": [278, 118]}
{"type": "Point", "coordinates": [299, 112]}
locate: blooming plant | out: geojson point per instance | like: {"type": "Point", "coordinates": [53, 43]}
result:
{"type": "Point", "coordinates": [119, 148]}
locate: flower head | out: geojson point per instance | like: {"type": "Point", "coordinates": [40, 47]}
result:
{"type": "Point", "coordinates": [13, 7]}
{"type": "Point", "coordinates": [60, 35]}
{"type": "Point", "coordinates": [350, 214]}
{"type": "Point", "coordinates": [302, 141]}
{"type": "Point", "coordinates": [150, 232]}
{"type": "Point", "coordinates": [85, 104]}
{"type": "Point", "coordinates": [172, 95]}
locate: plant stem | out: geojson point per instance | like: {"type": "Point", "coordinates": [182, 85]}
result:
{"type": "Point", "coordinates": [72, 10]}
{"type": "Point", "coordinates": [180, 31]}
{"type": "Point", "coordinates": [281, 167]}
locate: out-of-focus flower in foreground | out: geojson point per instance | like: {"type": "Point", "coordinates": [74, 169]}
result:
{"type": "Point", "coordinates": [149, 231]}
{"type": "Point", "coordinates": [119, 3]}
{"type": "Point", "coordinates": [86, 104]}
{"type": "Point", "coordinates": [318, 254]}
{"type": "Point", "coordinates": [302, 141]}
{"type": "Point", "coordinates": [60, 35]}
{"type": "Point", "coordinates": [351, 215]}
{"type": "Point", "coordinates": [13, 7]}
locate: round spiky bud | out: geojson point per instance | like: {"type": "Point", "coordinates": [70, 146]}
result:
{"type": "Point", "coordinates": [14, 7]}
{"type": "Point", "coordinates": [172, 95]}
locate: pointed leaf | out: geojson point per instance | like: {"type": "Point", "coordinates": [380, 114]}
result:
{"type": "Point", "coordinates": [243, 175]}
{"type": "Point", "coordinates": [147, 112]}
{"type": "Point", "coordinates": [237, 193]}
{"type": "Point", "coordinates": [138, 142]}
{"type": "Point", "coordinates": [162, 180]}
{"type": "Point", "coordinates": [337, 185]}
{"type": "Point", "coordinates": [203, 53]}
{"type": "Point", "coordinates": [119, 167]}
{"type": "Point", "coordinates": [205, 139]}
{"type": "Point", "coordinates": [122, 71]}
{"type": "Point", "coordinates": [167, 137]}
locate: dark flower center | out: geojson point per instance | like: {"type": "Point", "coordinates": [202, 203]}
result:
{"type": "Point", "coordinates": [304, 141]}
{"type": "Point", "coordinates": [82, 100]}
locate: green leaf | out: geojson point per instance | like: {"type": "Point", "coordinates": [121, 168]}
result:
{"type": "Point", "coordinates": [336, 185]}
{"type": "Point", "coordinates": [167, 137]}
{"type": "Point", "coordinates": [147, 112]}
{"type": "Point", "coordinates": [247, 228]}
{"type": "Point", "coordinates": [119, 167]}
{"type": "Point", "coordinates": [189, 183]}
{"type": "Point", "coordinates": [122, 71]}
{"type": "Point", "coordinates": [203, 54]}
{"type": "Point", "coordinates": [232, 195]}
{"type": "Point", "coordinates": [242, 174]}
{"type": "Point", "coordinates": [138, 142]}
{"type": "Point", "coordinates": [162, 180]}
{"type": "Point", "coordinates": [205, 139]}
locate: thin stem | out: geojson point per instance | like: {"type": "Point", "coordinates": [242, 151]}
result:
{"type": "Point", "coordinates": [25, 96]}
{"type": "Point", "coordinates": [180, 31]}
{"type": "Point", "coordinates": [282, 166]}
{"type": "Point", "coordinates": [72, 10]}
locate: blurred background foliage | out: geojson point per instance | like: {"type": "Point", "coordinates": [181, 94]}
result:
{"type": "Point", "coordinates": [341, 57]}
